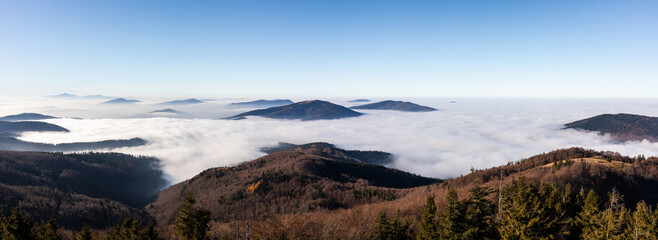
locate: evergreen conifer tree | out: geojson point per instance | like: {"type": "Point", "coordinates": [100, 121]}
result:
{"type": "Point", "coordinates": [192, 222]}
{"type": "Point", "coordinates": [85, 234]}
{"type": "Point", "coordinates": [612, 221]}
{"type": "Point", "coordinates": [535, 211]}
{"type": "Point", "coordinates": [479, 213]}
{"type": "Point", "coordinates": [452, 220]}
{"type": "Point", "coordinates": [588, 217]}
{"type": "Point", "coordinates": [129, 229]}
{"type": "Point", "coordinates": [429, 227]}
{"type": "Point", "coordinates": [48, 231]}
{"type": "Point", "coordinates": [18, 226]}
{"type": "Point", "coordinates": [391, 229]}
{"type": "Point", "coordinates": [641, 223]}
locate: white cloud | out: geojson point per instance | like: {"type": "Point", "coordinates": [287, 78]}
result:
{"type": "Point", "coordinates": [477, 133]}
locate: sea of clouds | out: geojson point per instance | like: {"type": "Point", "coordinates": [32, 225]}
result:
{"type": "Point", "coordinates": [470, 133]}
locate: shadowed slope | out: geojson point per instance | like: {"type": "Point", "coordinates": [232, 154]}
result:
{"type": "Point", "coordinates": [26, 117]}
{"type": "Point", "coordinates": [622, 127]}
{"type": "Point", "coordinates": [285, 182]}
{"type": "Point", "coordinates": [306, 110]}
{"type": "Point", "coordinates": [395, 105]}
{"type": "Point", "coordinates": [261, 103]}
{"type": "Point", "coordinates": [331, 151]}
{"type": "Point", "coordinates": [99, 189]}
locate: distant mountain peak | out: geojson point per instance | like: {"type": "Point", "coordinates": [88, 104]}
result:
{"type": "Point", "coordinates": [289, 179]}
{"type": "Point", "coordinates": [165, 113]}
{"type": "Point", "coordinates": [395, 105]}
{"type": "Point", "coordinates": [121, 101]}
{"type": "Point", "coordinates": [97, 96]}
{"type": "Point", "coordinates": [329, 150]}
{"type": "Point", "coordinates": [621, 127]}
{"type": "Point", "coordinates": [168, 110]}
{"type": "Point", "coordinates": [262, 103]}
{"type": "Point", "coordinates": [305, 110]}
{"type": "Point", "coordinates": [183, 102]}
{"type": "Point", "coordinates": [359, 100]}
{"type": "Point", "coordinates": [26, 117]}
{"type": "Point", "coordinates": [64, 95]}
{"type": "Point", "coordinates": [11, 129]}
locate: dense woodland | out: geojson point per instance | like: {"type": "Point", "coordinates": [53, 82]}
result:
{"type": "Point", "coordinates": [524, 210]}
{"type": "Point", "coordinates": [331, 151]}
{"type": "Point", "coordinates": [395, 105]}
{"type": "Point", "coordinates": [285, 183]}
{"type": "Point", "coordinates": [98, 189]}
{"type": "Point", "coordinates": [622, 127]}
{"type": "Point", "coordinates": [10, 130]}
{"type": "Point", "coordinates": [565, 194]}
{"type": "Point", "coordinates": [305, 111]}
{"type": "Point", "coordinates": [14, 144]}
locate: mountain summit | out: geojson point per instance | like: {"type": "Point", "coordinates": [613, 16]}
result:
{"type": "Point", "coordinates": [120, 101]}
{"type": "Point", "coordinates": [395, 105]}
{"type": "Point", "coordinates": [287, 182]}
{"type": "Point", "coordinates": [262, 103]}
{"type": "Point", "coordinates": [306, 110]}
{"type": "Point", "coordinates": [182, 102]}
{"type": "Point", "coordinates": [25, 117]}
{"type": "Point", "coordinates": [622, 127]}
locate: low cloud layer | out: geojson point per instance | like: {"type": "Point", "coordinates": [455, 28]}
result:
{"type": "Point", "coordinates": [478, 133]}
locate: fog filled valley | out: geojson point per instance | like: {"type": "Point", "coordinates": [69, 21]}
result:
{"type": "Point", "coordinates": [122, 168]}
{"type": "Point", "coordinates": [328, 120]}
{"type": "Point", "coordinates": [465, 134]}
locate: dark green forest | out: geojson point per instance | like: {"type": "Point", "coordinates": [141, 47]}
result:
{"type": "Point", "coordinates": [528, 210]}
{"type": "Point", "coordinates": [521, 210]}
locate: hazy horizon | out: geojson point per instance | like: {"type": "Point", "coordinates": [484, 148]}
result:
{"type": "Point", "coordinates": [467, 133]}
{"type": "Point", "coordinates": [517, 70]}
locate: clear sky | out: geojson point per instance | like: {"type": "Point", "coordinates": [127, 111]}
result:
{"type": "Point", "coordinates": [330, 48]}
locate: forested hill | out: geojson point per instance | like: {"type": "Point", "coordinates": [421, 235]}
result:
{"type": "Point", "coordinates": [622, 127]}
{"type": "Point", "coordinates": [98, 189]}
{"type": "Point", "coordinates": [570, 193]}
{"type": "Point", "coordinates": [305, 111]}
{"type": "Point", "coordinates": [565, 194]}
{"type": "Point", "coordinates": [395, 105]}
{"type": "Point", "coordinates": [602, 171]}
{"type": "Point", "coordinates": [283, 183]}
{"type": "Point", "coordinates": [9, 131]}
{"type": "Point", "coordinates": [331, 151]}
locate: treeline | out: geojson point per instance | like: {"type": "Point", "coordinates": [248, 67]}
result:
{"type": "Point", "coordinates": [527, 210]}
{"type": "Point", "coordinates": [285, 183]}
{"type": "Point", "coordinates": [192, 223]}
{"type": "Point", "coordinates": [99, 189]}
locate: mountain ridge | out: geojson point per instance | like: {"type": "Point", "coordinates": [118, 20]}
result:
{"type": "Point", "coordinates": [296, 181]}
{"type": "Point", "coordinates": [188, 101]}
{"type": "Point", "coordinates": [121, 101]}
{"type": "Point", "coordinates": [395, 105]}
{"type": "Point", "coordinates": [26, 117]}
{"type": "Point", "coordinates": [261, 103]}
{"type": "Point", "coordinates": [305, 111]}
{"type": "Point", "coordinates": [621, 127]}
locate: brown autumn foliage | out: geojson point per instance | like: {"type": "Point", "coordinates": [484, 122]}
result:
{"type": "Point", "coordinates": [621, 127]}
{"type": "Point", "coordinates": [98, 189]}
{"type": "Point", "coordinates": [299, 195]}
{"type": "Point", "coordinates": [633, 177]}
{"type": "Point", "coordinates": [286, 182]}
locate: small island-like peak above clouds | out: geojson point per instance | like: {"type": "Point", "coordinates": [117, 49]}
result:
{"type": "Point", "coordinates": [395, 105]}
{"type": "Point", "coordinates": [305, 111]}
{"type": "Point", "coordinates": [121, 101]}
{"type": "Point", "coordinates": [182, 102]}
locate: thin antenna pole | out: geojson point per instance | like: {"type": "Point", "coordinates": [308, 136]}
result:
{"type": "Point", "coordinates": [500, 195]}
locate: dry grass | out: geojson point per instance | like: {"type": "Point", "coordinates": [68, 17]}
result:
{"type": "Point", "coordinates": [593, 160]}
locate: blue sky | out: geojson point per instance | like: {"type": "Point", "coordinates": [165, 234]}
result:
{"type": "Point", "coordinates": [330, 48]}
